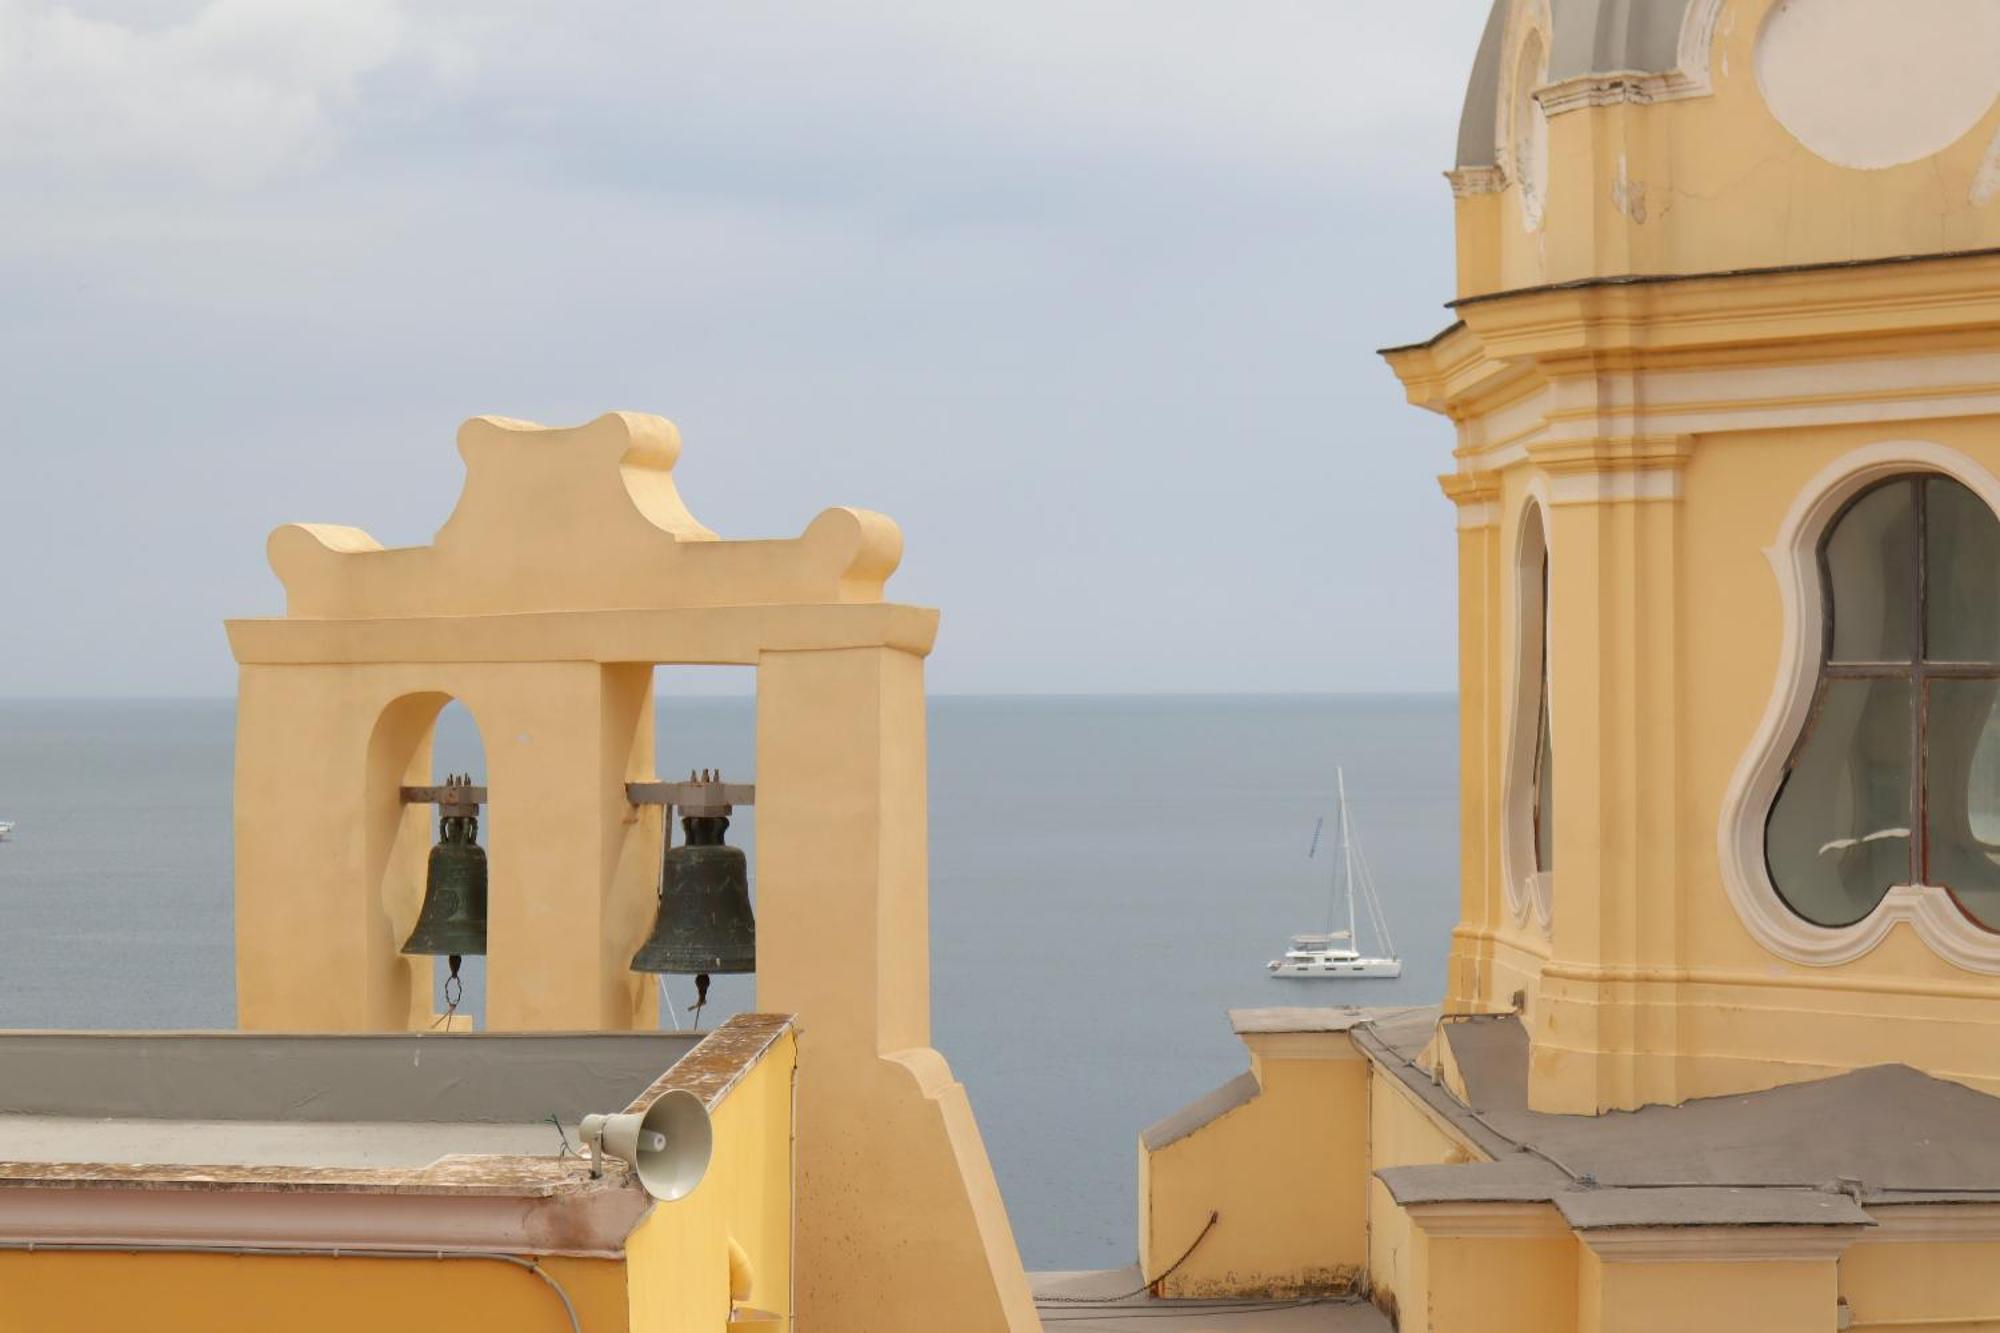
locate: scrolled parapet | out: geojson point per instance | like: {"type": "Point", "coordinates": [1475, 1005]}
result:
{"type": "Point", "coordinates": [577, 518]}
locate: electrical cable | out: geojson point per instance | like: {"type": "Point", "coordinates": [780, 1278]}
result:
{"type": "Point", "coordinates": [1167, 1312]}
{"type": "Point", "coordinates": [1144, 1287]}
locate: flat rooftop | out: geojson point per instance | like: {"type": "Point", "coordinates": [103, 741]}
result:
{"type": "Point", "coordinates": [381, 1140]}
{"type": "Point", "coordinates": [1818, 1153]}
{"type": "Point", "coordinates": [378, 1100]}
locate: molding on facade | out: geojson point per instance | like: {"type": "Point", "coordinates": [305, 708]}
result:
{"type": "Point", "coordinates": [1300, 1045]}
{"type": "Point", "coordinates": [592, 1224]}
{"type": "Point", "coordinates": [1719, 1245]}
{"type": "Point", "coordinates": [1615, 486]}
{"type": "Point", "coordinates": [1948, 1223]}
{"type": "Point", "coordinates": [1469, 181]}
{"type": "Point", "coordinates": [1476, 492]}
{"type": "Point", "coordinates": [1926, 908]}
{"type": "Point", "coordinates": [1515, 1221]}
{"type": "Point", "coordinates": [1690, 76]}
{"type": "Point", "coordinates": [1480, 514]}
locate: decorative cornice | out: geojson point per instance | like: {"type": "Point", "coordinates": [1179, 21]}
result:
{"type": "Point", "coordinates": [1614, 453]}
{"type": "Point", "coordinates": [1612, 469]}
{"type": "Point", "coordinates": [1512, 1220]}
{"type": "Point", "coordinates": [1477, 495]}
{"type": "Point", "coordinates": [1719, 1245]}
{"type": "Point", "coordinates": [1936, 1222]}
{"type": "Point", "coordinates": [591, 1223]}
{"type": "Point", "coordinates": [1469, 181]}
{"type": "Point", "coordinates": [1617, 88]}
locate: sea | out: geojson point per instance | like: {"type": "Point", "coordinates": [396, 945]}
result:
{"type": "Point", "coordinates": [1109, 875]}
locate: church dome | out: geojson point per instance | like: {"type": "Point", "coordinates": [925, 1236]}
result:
{"type": "Point", "coordinates": [1586, 38]}
{"type": "Point", "coordinates": [1632, 138]}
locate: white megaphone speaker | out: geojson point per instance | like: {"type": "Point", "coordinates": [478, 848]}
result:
{"type": "Point", "coordinates": [668, 1145]}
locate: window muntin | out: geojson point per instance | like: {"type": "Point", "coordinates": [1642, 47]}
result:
{"type": "Point", "coordinates": [1896, 779]}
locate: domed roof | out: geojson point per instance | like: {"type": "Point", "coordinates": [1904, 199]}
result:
{"type": "Point", "coordinates": [1587, 37]}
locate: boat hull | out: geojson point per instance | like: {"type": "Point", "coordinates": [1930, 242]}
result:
{"type": "Point", "coordinates": [1382, 968]}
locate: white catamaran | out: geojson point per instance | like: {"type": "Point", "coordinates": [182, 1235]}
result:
{"type": "Point", "coordinates": [1335, 952]}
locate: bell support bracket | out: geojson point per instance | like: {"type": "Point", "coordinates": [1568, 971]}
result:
{"type": "Point", "coordinates": [693, 799]}
{"type": "Point", "coordinates": [461, 800]}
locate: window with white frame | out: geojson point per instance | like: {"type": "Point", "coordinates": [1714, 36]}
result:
{"type": "Point", "coordinates": [1528, 829]}
{"type": "Point", "coordinates": [1895, 777]}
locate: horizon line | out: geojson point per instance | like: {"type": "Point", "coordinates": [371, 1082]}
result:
{"type": "Point", "coordinates": [751, 694]}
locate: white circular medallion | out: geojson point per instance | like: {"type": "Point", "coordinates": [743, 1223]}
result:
{"type": "Point", "coordinates": [1876, 83]}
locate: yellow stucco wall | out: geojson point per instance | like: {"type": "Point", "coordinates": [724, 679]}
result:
{"type": "Point", "coordinates": [677, 1259]}
{"type": "Point", "coordinates": [1497, 1284]}
{"type": "Point", "coordinates": [212, 1293]}
{"type": "Point", "coordinates": [1285, 1173]}
{"type": "Point", "coordinates": [1938, 1283]}
{"type": "Point", "coordinates": [1402, 1132]}
{"type": "Point", "coordinates": [1771, 1296]}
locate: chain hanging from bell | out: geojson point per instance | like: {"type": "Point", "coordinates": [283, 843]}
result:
{"type": "Point", "coordinates": [452, 920]}
{"type": "Point", "coordinates": [704, 924]}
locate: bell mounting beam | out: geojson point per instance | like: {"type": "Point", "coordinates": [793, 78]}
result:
{"type": "Point", "coordinates": [459, 797]}
{"type": "Point", "coordinates": [693, 799]}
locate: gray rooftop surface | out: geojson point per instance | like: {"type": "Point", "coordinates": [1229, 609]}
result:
{"type": "Point", "coordinates": [314, 1101]}
{"type": "Point", "coordinates": [1806, 1154]}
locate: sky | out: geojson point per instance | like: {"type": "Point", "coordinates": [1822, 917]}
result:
{"type": "Point", "coordinates": [1084, 293]}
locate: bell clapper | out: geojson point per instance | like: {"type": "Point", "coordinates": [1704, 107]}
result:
{"type": "Point", "coordinates": [700, 998]}
{"type": "Point", "coordinates": [454, 991]}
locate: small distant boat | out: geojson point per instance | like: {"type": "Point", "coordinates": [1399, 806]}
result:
{"type": "Point", "coordinates": [1335, 953]}
{"type": "Point", "coordinates": [6, 830]}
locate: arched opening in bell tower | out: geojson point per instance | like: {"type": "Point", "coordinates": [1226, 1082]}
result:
{"type": "Point", "coordinates": [458, 748]}
{"type": "Point", "coordinates": [420, 741]}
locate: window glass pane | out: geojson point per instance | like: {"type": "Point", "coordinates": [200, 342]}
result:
{"type": "Point", "coordinates": [1545, 817]}
{"type": "Point", "coordinates": [1839, 832]}
{"type": "Point", "coordinates": [1962, 575]}
{"type": "Point", "coordinates": [1962, 794]}
{"type": "Point", "coordinates": [1871, 561]}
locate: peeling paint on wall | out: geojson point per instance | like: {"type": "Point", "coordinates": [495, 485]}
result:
{"type": "Point", "coordinates": [1627, 195]}
{"type": "Point", "coordinates": [1986, 181]}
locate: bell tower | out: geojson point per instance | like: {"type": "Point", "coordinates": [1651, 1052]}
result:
{"type": "Point", "coordinates": [1724, 267]}
{"type": "Point", "coordinates": [568, 570]}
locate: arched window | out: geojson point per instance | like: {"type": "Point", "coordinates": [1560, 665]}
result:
{"type": "Point", "coordinates": [1528, 837]}
{"type": "Point", "coordinates": [1896, 776]}
{"type": "Point", "coordinates": [1545, 758]}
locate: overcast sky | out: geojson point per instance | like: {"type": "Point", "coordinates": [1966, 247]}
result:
{"type": "Point", "coordinates": [1084, 294]}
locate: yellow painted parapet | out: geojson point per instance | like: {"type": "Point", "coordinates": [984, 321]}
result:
{"type": "Point", "coordinates": [1277, 1156]}
{"type": "Point", "coordinates": [568, 570]}
{"type": "Point", "coordinates": [579, 519]}
{"type": "Point", "coordinates": [727, 1246]}
{"type": "Point", "coordinates": [501, 1243]}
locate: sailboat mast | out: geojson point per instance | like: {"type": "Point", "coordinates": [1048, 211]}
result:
{"type": "Point", "coordinates": [1347, 856]}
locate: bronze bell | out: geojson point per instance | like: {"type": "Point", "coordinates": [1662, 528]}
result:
{"type": "Point", "coordinates": [705, 924]}
{"type": "Point", "coordinates": [452, 920]}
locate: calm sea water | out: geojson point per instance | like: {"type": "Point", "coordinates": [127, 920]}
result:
{"type": "Point", "coordinates": [1108, 875]}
